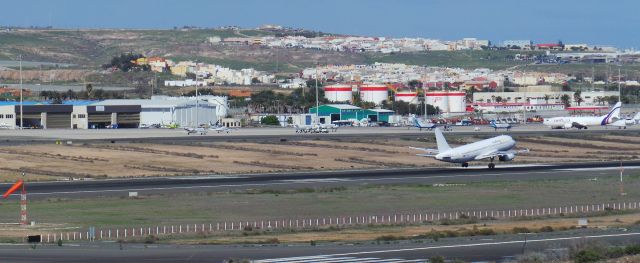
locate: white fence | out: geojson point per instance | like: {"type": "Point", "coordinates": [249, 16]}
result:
{"type": "Point", "coordinates": [336, 221]}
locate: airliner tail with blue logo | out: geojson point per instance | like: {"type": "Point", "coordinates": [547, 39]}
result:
{"type": "Point", "coordinates": [422, 125]}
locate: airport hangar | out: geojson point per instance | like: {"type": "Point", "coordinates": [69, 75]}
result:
{"type": "Point", "coordinates": [336, 112]}
{"type": "Point", "coordinates": [121, 113]}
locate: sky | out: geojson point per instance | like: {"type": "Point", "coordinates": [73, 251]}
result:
{"type": "Point", "coordinates": [595, 22]}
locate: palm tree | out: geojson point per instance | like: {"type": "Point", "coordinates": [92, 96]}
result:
{"type": "Point", "coordinates": [599, 100]}
{"type": "Point", "coordinates": [566, 100]}
{"type": "Point", "coordinates": [577, 97]}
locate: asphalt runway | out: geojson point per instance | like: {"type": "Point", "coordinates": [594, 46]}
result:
{"type": "Point", "coordinates": [484, 248]}
{"type": "Point", "coordinates": [212, 183]}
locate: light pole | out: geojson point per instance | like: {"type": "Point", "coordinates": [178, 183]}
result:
{"type": "Point", "coordinates": [317, 103]}
{"type": "Point", "coordinates": [20, 58]}
{"type": "Point", "coordinates": [197, 120]}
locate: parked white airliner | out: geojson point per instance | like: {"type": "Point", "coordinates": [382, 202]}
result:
{"type": "Point", "coordinates": [585, 122]}
{"type": "Point", "coordinates": [499, 146]}
{"type": "Point", "coordinates": [623, 123]}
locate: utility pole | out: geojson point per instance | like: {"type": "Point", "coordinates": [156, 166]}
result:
{"type": "Point", "coordinates": [619, 89]}
{"type": "Point", "coordinates": [524, 106]}
{"type": "Point", "coordinates": [317, 102]}
{"type": "Point", "coordinates": [155, 82]}
{"type": "Point", "coordinates": [21, 98]}
{"type": "Point", "coordinates": [593, 80]}
{"type": "Point", "coordinates": [23, 204]}
{"type": "Point", "coordinates": [424, 102]}
{"type": "Point", "coordinates": [197, 120]}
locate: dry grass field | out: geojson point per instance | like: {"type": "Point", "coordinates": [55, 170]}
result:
{"type": "Point", "coordinates": [55, 162]}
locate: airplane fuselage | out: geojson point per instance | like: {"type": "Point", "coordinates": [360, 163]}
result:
{"type": "Point", "coordinates": [469, 152]}
{"type": "Point", "coordinates": [567, 122]}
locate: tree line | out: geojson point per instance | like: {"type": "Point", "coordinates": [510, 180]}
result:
{"type": "Point", "coordinates": [57, 97]}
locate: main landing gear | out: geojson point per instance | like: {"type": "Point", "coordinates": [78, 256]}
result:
{"type": "Point", "coordinates": [491, 164]}
{"type": "Point", "coordinates": [465, 165]}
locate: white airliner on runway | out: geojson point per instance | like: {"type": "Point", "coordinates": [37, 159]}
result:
{"type": "Point", "coordinates": [499, 146]}
{"type": "Point", "coordinates": [199, 130]}
{"type": "Point", "coordinates": [585, 122]}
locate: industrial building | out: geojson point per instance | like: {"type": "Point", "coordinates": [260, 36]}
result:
{"type": "Point", "coordinates": [36, 115]}
{"type": "Point", "coordinates": [517, 107]}
{"type": "Point", "coordinates": [548, 97]}
{"type": "Point", "coordinates": [340, 112]}
{"type": "Point", "coordinates": [105, 116]}
{"type": "Point", "coordinates": [338, 93]}
{"type": "Point", "coordinates": [374, 93]}
{"type": "Point", "coordinates": [407, 96]}
{"type": "Point", "coordinates": [176, 110]}
{"type": "Point", "coordinates": [117, 113]}
{"type": "Point", "coordinates": [448, 101]}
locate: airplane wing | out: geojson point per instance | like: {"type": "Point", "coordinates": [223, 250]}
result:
{"type": "Point", "coordinates": [428, 152]}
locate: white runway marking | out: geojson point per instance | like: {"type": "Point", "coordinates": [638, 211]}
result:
{"type": "Point", "coordinates": [600, 168]}
{"type": "Point", "coordinates": [322, 180]}
{"type": "Point", "coordinates": [484, 244]}
{"type": "Point", "coordinates": [332, 259]}
{"type": "Point", "coordinates": [478, 167]}
{"type": "Point", "coordinates": [284, 183]}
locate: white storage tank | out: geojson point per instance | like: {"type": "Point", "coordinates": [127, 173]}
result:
{"type": "Point", "coordinates": [338, 93]}
{"type": "Point", "coordinates": [448, 101]}
{"type": "Point", "coordinates": [407, 96]}
{"type": "Point", "coordinates": [375, 93]}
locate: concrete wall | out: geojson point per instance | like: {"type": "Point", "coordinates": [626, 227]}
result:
{"type": "Point", "coordinates": [5, 122]}
{"type": "Point", "coordinates": [79, 117]}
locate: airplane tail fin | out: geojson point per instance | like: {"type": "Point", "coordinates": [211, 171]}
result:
{"type": "Point", "coordinates": [614, 113]}
{"type": "Point", "coordinates": [419, 123]}
{"type": "Point", "coordinates": [441, 141]}
{"type": "Point", "coordinates": [637, 117]}
{"type": "Point", "coordinates": [492, 124]}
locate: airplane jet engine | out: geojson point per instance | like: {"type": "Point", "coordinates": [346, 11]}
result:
{"type": "Point", "coordinates": [507, 157]}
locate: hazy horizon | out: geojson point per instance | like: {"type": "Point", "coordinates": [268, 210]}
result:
{"type": "Point", "coordinates": [591, 21]}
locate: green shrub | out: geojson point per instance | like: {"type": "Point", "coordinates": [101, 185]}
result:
{"type": "Point", "coordinates": [632, 249]}
{"type": "Point", "coordinates": [587, 256]}
{"type": "Point", "coordinates": [436, 259]}
{"type": "Point", "coordinates": [270, 120]}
